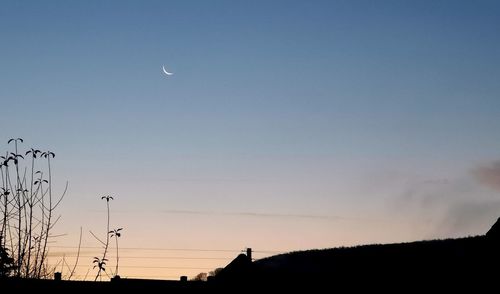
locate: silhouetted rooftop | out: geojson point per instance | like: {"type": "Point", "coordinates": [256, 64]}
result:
{"type": "Point", "coordinates": [494, 232]}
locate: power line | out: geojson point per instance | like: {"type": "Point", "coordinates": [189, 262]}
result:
{"type": "Point", "coordinates": [151, 248]}
{"type": "Point", "coordinates": [137, 266]}
{"type": "Point", "coordinates": [132, 276]}
{"type": "Point", "coordinates": [151, 257]}
{"type": "Point", "coordinates": [172, 249]}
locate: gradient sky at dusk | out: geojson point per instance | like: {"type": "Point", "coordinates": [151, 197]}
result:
{"type": "Point", "coordinates": [287, 125]}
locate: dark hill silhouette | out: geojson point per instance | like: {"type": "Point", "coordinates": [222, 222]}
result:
{"type": "Point", "coordinates": [463, 262]}
{"type": "Point", "coordinates": [425, 258]}
{"type": "Point", "coordinates": [494, 232]}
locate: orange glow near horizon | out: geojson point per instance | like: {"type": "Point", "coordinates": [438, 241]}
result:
{"type": "Point", "coordinates": [206, 242]}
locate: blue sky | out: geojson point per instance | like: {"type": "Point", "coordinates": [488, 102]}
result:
{"type": "Point", "coordinates": [372, 111]}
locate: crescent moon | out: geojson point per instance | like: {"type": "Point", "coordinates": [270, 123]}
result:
{"type": "Point", "coordinates": [166, 72]}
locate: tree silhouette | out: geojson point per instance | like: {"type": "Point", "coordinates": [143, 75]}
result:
{"type": "Point", "coordinates": [215, 272]}
{"type": "Point", "coordinates": [200, 277]}
{"type": "Point", "coordinates": [6, 262]}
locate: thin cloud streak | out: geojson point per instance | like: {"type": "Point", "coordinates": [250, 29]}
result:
{"type": "Point", "coordinates": [216, 180]}
{"type": "Point", "coordinates": [253, 214]}
{"type": "Point", "coordinates": [489, 175]}
{"type": "Point", "coordinates": [263, 215]}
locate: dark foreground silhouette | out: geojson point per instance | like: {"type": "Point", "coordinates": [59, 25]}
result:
{"type": "Point", "coordinates": [470, 263]}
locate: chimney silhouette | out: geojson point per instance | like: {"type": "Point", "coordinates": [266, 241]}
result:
{"type": "Point", "coordinates": [249, 254]}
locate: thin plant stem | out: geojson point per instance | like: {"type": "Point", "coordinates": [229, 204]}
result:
{"type": "Point", "coordinates": [77, 255]}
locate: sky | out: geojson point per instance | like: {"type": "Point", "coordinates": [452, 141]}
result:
{"type": "Point", "coordinates": [287, 125]}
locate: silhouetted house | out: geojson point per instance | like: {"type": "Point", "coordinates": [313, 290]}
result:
{"type": "Point", "coordinates": [237, 271]}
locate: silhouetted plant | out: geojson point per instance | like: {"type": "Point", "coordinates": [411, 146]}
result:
{"type": "Point", "coordinates": [14, 156]}
{"type": "Point", "coordinates": [31, 202]}
{"type": "Point", "coordinates": [101, 262]}
{"type": "Point", "coordinates": [116, 233]}
{"type": "Point", "coordinates": [77, 255]}
{"type": "Point", "coordinates": [27, 208]}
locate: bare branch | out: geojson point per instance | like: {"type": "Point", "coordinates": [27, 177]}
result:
{"type": "Point", "coordinates": [97, 238]}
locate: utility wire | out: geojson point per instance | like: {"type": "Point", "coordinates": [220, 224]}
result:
{"type": "Point", "coordinates": [172, 249]}
{"type": "Point", "coordinates": [151, 257]}
{"type": "Point", "coordinates": [157, 267]}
